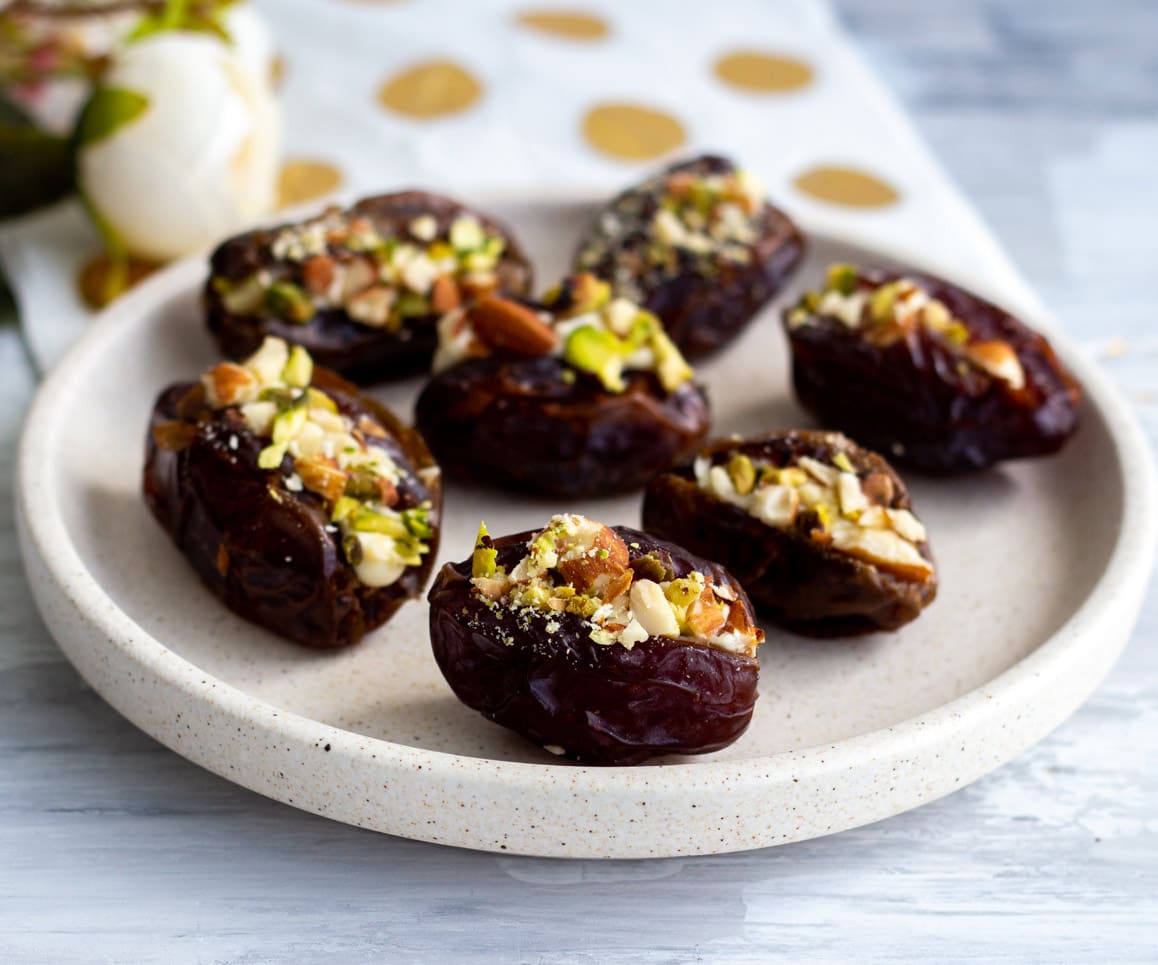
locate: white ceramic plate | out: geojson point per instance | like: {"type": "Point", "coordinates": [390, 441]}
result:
{"type": "Point", "coordinates": [1042, 568]}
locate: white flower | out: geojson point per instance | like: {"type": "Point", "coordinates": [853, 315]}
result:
{"type": "Point", "coordinates": [179, 145]}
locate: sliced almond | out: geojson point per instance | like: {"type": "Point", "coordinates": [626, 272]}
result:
{"type": "Point", "coordinates": [229, 384]}
{"type": "Point", "coordinates": [852, 497]}
{"type": "Point", "coordinates": [883, 548]}
{"type": "Point", "coordinates": [776, 505]}
{"type": "Point", "coordinates": [505, 324]}
{"type": "Point", "coordinates": [650, 607]}
{"type": "Point", "coordinates": [879, 488]}
{"type": "Point", "coordinates": [826, 475]}
{"type": "Point", "coordinates": [998, 359]}
{"type": "Point", "coordinates": [444, 296]}
{"type": "Point", "coordinates": [907, 525]}
{"type": "Point", "coordinates": [371, 428]}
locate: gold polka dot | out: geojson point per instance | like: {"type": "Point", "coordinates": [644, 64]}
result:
{"type": "Point", "coordinates": [571, 24]}
{"type": "Point", "coordinates": [430, 89]}
{"type": "Point", "coordinates": [632, 132]}
{"type": "Point", "coordinates": [303, 180]}
{"type": "Point", "coordinates": [763, 73]}
{"type": "Point", "coordinates": [846, 186]}
{"type": "Point", "coordinates": [97, 284]}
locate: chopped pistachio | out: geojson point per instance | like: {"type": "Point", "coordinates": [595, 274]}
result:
{"type": "Point", "coordinates": [367, 520]}
{"type": "Point", "coordinates": [599, 352]}
{"type": "Point", "coordinates": [289, 302]}
{"type": "Point", "coordinates": [319, 400]}
{"type": "Point", "coordinates": [288, 424]}
{"type": "Point", "coordinates": [417, 521]}
{"type": "Point", "coordinates": [482, 563]}
{"type": "Point", "coordinates": [882, 303]}
{"type": "Point", "coordinates": [743, 473]}
{"type": "Point", "coordinates": [299, 369]}
{"type": "Point", "coordinates": [344, 507]}
{"type": "Point", "coordinates": [412, 305]}
{"type": "Point", "coordinates": [842, 278]}
{"type": "Point", "coordinates": [671, 367]}
{"type": "Point", "coordinates": [842, 462]}
{"type": "Point", "coordinates": [271, 456]}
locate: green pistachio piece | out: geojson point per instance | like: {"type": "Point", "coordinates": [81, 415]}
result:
{"type": "Point", "coordinates": [482, 563]}
{"type": "Point", "coordinates": [362, 482]}
{"type": "Point", "coordinates": [671, 367]}
{"type": "Point", "coordinates": [643, 329]}
{"type": "Point", "coordinates": [412, 305]}
{"type": "Point", "coordinates": [418, 522]}
{"type": "Point", "coordinates": [289, 302]}
{"type": "Point", "coordinates": [681, 593]}
{"type": "Point", "coordinates": [883, 302]}
{"type": "Point", "coordinates": [957, 334]}
{"type": "Point", "coordinates": [599, 352]}
{"type": "Point", "coordinates": [319, 400]}
{"type": "Point", "coordinates": [811, 301]}
{"type": "Point", "coordinates": [299, 369]}
{"type": "Point", "coordinates": [843, 463]}
{"type": "Point", "coordinates": [344, 507]}
{"type": "Point", "coordinates": [743, 473]}
{"type": "Point", "coordinates": [271, 456]}
{"type": "Point", "coordinates": [288, 424]}
{"type": "Point", "coordinates": [366, 520]}
{"type": "Point", "coordinates": [842, 278]}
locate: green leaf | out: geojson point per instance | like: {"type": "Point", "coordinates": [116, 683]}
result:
{"type": "Point", "coordinates": [108, 109]}
{"type": "Point", "coordinates": [35, 166]}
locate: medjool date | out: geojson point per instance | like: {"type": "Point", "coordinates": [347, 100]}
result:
{"type": "Point", "coordinates": [362, 288]}
{"type": "Point", "coordinates": [582, 395]}
{"type": "Point", "coordinates": [819, 531]}
{"type": "Point", "coordinates": [307, 508]}
{"type": "Point", "coordinates": [697, 245]}
{"type": "Point", "coordinates": [598, 643]}
{"type": "Point", "coordinates": [939, 379]}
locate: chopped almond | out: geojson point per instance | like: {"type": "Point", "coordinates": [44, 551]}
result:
{"type": "Point", "coordinates": [371, 428]}
{"type": "Point", "coordinates": [229, 384]}
{"type": "Point", "coordinates": [318, 274]}
{"type": "Point", "coordinates": [599, 565]}
{"type": "Point", "coordinates": [705, 617]}
{"type": "Point", "coordinates": [444, 296]}
{"type": "Point", "coordinates": [998, 359]}
{"type": "Point", "coordinates": [322, 476]}
{"type": "Point", "coordinates": [879, 488]}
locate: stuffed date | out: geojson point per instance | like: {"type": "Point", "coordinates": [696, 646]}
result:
{"type": "Point", "coordinates": [699, 246]}
{"type": "Point", "coordinates": [581, 395]}
{"type": "Point", "coordinates": [361, 289]}
{"type": "Point", "coordinates": [598, 643]}
{"type": "Point", "coordinates": [307, 508]}
{"type": "Point", "coordinates": [819, 531]}
{"type": "Point", "coordinates": [934, 376]}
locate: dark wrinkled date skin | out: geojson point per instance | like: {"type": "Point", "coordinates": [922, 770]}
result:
{"type": "Point", "coordinates": [515, 423]}
{"type": "Point", "coordinates": [915, 401]}
{"type": "Point", "coordinates": [361, 353]}
{"type": "Point", "coordinates": [263, 551]}
{"type": "Point", "coordinates": [793, 581]}
{"type": "Point", "coordinates": [600, 704]}
{"type": "Point", "coordinates": [701, 310]}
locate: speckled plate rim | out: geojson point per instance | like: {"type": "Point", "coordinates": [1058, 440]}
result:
{"type": "Point", "coordinates": [701, 807]}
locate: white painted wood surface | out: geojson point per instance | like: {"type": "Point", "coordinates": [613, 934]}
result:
{"type": "Point", "coordinates": [114, 849]}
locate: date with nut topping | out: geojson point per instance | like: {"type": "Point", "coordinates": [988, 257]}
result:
{"type": "Point", "coordinates": [581, 394]}
{"type": "Point", "coordinates": [699, 246]}
{"type": "Point", "coordinates": [307, 508]}
{"type": "Point", "coordinates": [820, 531]}
{"type": "Point", "coordinates": [934, 376]}
{"type": "Point", "coordinates": [361, 288]}
{"type": "Point", "coordinates": [598, 643]}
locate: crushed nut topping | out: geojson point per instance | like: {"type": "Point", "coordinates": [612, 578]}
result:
{"type": "Point", "coordinates": [701, 217]}
{"type": "Point", "coordinates": [832, 503]}
{"type": "Point", "coordinates": [888, 312]}
{"type": "Point", "coordinates": [582, 324]}
{"type": "Point", "coordinates": [342, 260]}
{"type": "Point", "coordinates": [579, 566]}
{"type": "Point", "coordinates": [328, 454]}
